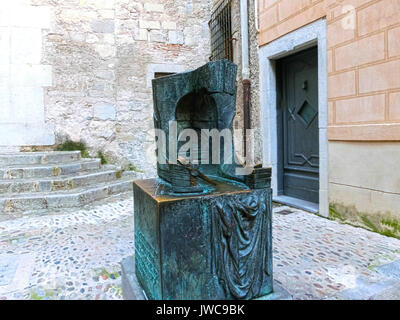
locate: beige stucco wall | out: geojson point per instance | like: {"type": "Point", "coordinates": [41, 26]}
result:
{"type": "Point", "coordinates": [364, 66]}
{"type": "Point", "coordinates": [363, 39]}
{"type": "Point", "coordinates": [279, 17]}
{"type": "Point", "coordinates": [364, 182]}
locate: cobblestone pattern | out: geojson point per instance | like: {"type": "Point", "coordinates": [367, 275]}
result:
{"type": "Point", "coordinates": [103, 54]}
{"type": "Point", "coordinates": [315, 258]}
{"type": "Point", "coordinates": [77, 254]}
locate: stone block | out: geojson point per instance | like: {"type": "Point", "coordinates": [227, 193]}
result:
{"type": "Point", "coordinates": [31, 17]}
{"type": "Point", "coordinates": [149, 24]}
{"type": "Point", "coordinates": [77, 36]}
{"type": "Point", "coordinates": [394, 42]}
{"type": "Point", "coordinates": [175, 37]}
{"type": "Point", "coordinates": [109, 38]}
{"type": "Point", "coordinates": [336, 87]}
{"type": "Point", "coordinates": [14, 134]}
{"type": "Point", "coordinates": [4, 76]}
{"type": "Point", "coordinates": [377, 16]}
{"type": "Point", "coordinates": [8, 268]}
{"type": "Point", "coordinates": [168, 25]}
{"type": "Point", "coordinates": [26, 46]}
{"type": "Point", "coordinates": [15, 271]}
{"type": "Point", "coordinates": [106, 13]}
{"type": "Point", "coordinates": [287, 8]}
{"type": "Point", "coordinates": [92, 38]}
{"type": "Point", "coordinates": [368, 50]}
{"type": "Point", "coordinates": [27, 75]}
{"type": "Point", "coordinates": [5, 16]}
{"type": "Point", "coordinates": [4, 46]}
{"type": "Point", "coordinates": [98, 4]}
{"type": "Point", "coordinates": [370, 108]}
{"type": "Point", "coordinates": [105, 50]}
{"type": "Point", "coordinates": [140, 34]}
{"type": "Point", "coordinates": [269, 16]}
{"type": "Point", "coordinates": [27, 112]}
{"type": "Point", "coordinates": [105, 74]}
{"type": "Point", "coordinates": [131, 289]}
{"type": "Point", "coordinates": [157, 36]}
{"type": "Point", "coordinates": [153, 7]}
{"type": "Point", "coordinates": [296, 21]}
{"type": "Point", "coordinates": [394, 106]}
{"type": "Point", "coordinates": [104, 111]}
{"type": "Point", "coordinates": [338, 34]}
{"type": "Point", "coordinates": [103, 26]}
{"type": "Point", "coordinates": [211, 246]}
{"type": "Point", "coordinates": [6, 114]}
{"type": "Point", "coordinates": [382, 76]}
{"type": "Point", "coordinates": [77, 15]}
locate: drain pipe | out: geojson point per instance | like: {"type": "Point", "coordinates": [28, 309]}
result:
{"type": "Point", "coordinates": [244, 27]}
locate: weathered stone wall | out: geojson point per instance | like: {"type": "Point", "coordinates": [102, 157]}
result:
{"type": "Point", "coordinates": [104, 54]}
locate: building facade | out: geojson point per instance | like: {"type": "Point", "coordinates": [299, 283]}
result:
{"type": "Point", "coordinates": [323, 100]}
{"type": "Point", "coordinates": [81, 70]}
{"type": "Point", "coordinates": [330, 103]}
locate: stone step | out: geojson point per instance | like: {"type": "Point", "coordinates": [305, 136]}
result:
{"type": "Point", "coordinates": [66, 182]}
{"type": "Point", "coordinates": [30, 158]}
{"type": "Point", "coordinates": [115, 208]}
{"type": "Point", "coordinates": [11, 206]}
{"type": "Point", "coordinates": [48, 170]}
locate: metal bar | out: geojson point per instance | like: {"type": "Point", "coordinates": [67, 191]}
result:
{"type": "Point", "coordinates": [221, 31]}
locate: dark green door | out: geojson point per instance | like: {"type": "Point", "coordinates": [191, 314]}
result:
{"type": "Point", "coordinates": [298, 129]}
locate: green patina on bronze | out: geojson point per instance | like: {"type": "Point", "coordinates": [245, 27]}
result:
{"type": "Point", "coordinates": [201, 230]}
{"type": "Point", "coordinates": [213, 246]}
{"type": "Point", "coordinates": [201, 99]}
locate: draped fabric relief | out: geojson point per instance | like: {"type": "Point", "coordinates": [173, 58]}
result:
{"type": "Point", "coordinates": [239, 244]}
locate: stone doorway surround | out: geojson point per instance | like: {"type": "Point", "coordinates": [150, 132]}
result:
{"type": "Point", "coordinates": [308, 36]}
{"type": "Point", "coordinates": [153, 68]}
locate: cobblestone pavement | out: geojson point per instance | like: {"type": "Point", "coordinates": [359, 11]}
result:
{"type": "Point", "coordinates": [316, 258]}
{"type": "Point", "coordinates": [77, 255]}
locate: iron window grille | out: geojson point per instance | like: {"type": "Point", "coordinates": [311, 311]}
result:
{"type": "Point", "coordinates": [221, 32]}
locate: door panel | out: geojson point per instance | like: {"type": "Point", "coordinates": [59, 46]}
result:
{"type": "Point", "coordinates": [299, 126]}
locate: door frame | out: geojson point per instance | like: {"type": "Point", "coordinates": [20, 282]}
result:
{"type": "Point", "coordinates": [311, 35]}
{"type": "Point", "coordinates": [281, 89]}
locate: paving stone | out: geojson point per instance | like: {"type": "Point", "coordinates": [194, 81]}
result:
{"type": "Point", "coordinates": [8, 267]}
{"type": "Point", "coordinates": [391, 270]}
{"type": "Point", "coordinates": [365, 289]}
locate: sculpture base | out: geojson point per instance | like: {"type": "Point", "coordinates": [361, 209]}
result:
{"type": "Point", "coordinates": [213, 246]}
{"type": "Point", "coordinates": [131, 290]}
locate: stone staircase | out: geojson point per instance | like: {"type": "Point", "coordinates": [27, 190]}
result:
{"type": "Point", "coordinates": [55, 180]}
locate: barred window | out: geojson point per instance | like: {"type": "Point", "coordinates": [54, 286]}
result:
{"type": "Point", "coordinates": [221, 31]}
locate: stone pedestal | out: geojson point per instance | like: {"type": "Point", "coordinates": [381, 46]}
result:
{"type": "Point", "coordinates": [212, 246]}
